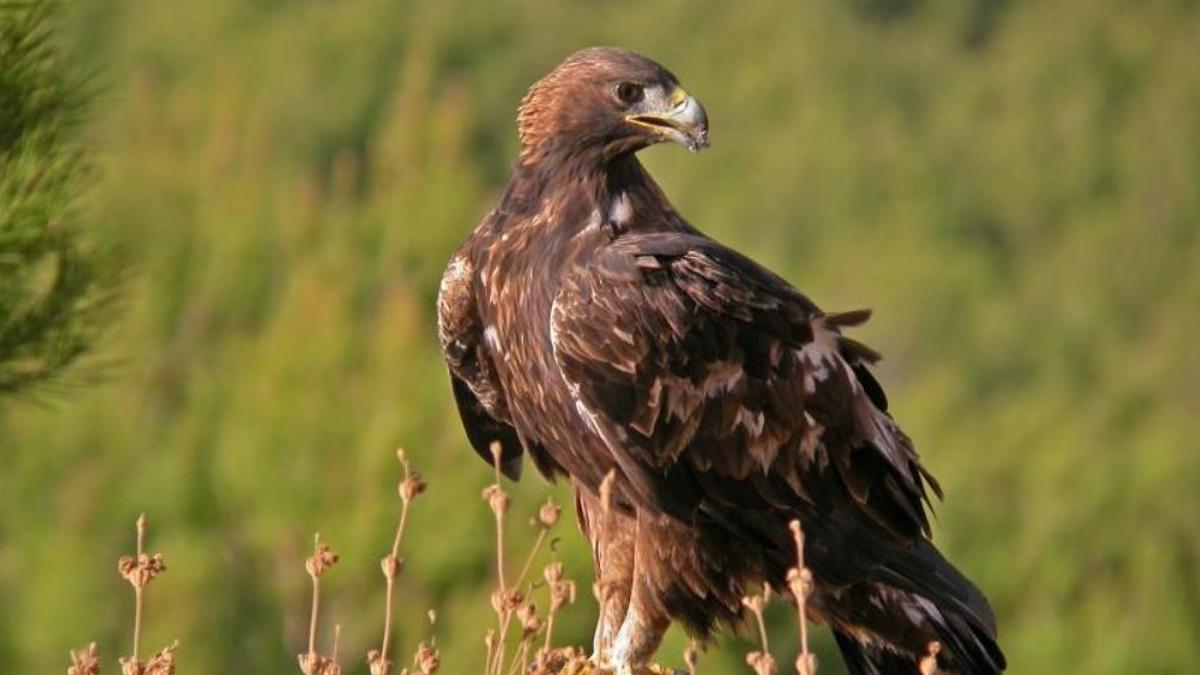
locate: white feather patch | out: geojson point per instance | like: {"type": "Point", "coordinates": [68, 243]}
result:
{"type": "Point", "coordinates": [456, 273]}
{"type": "Point", "coordinates": [621, 209]}
{"type": "Point", "coordinates": [492, 338]}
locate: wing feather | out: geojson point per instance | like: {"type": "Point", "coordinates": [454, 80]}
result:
{"type": "Point", "coordinates": [683, 352]}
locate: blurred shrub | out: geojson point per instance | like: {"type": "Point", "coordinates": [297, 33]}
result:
{"type": "Point", "coordinates": [291, 176]}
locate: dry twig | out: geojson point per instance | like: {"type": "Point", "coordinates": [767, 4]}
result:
{"type": "Point", "coordinates": [139, 570]}
{"type": "Point", "coordinates": [504, 601]}
{"type": "Point", "coordinates": [800, 583]}
{"type": "Point", "coordinates": [761, 661]}
{"type": "Point", "coordinates": [410, 487]}
{"type": "Point", "coordinates": [311, 662]}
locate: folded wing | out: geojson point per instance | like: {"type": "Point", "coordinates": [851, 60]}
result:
{"type": "Point", "coordinates": [713, 380]}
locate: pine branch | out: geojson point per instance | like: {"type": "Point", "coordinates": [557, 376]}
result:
{"type": "Point", "coordinates": [56, 286]}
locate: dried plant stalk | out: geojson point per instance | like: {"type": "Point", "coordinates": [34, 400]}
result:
{"type": "Point", "coordinates": [411, 485]}
{"type": "Point", "coordinates": [139, 570]}
{"type": "Point", "coordinates": [562, 593]}
{"type": "Point", "coordinates": [312, 662]}
{"type": "Point", "coordinates": [761, 661]}
{"type": "Point", "coordinates": [509, 601]}
{"type": "Point", "coordinates": [800, 582]}
{"type": "Point", "coordinates": [503, 601]}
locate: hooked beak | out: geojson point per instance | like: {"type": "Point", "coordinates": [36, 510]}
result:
{"type": "Point", "coordinates": [681, 119]}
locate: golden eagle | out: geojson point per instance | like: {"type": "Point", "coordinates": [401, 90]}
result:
{"type": "Point", "coordinates": [587, 324]}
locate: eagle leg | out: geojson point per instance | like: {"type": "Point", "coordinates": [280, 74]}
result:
{"type": "Point", "coordinates": [644, 625]}
{"type": "Point", "coordinates": [611, 615]}
{"type": "Point", "coordinates": [612, 535]}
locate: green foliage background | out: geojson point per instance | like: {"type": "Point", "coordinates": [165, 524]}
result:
{"type": "Point", "coordinates": [1012, 185]}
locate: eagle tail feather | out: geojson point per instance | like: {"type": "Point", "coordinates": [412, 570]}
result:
{"type": "Point", "coordinates": [962, 647]}
{"type": "Point", "coordinates": [971, 649]}
{"type": "Point", "coordinates": [953, 607]}
{"type": "Point", "coordinates": [865, 659]}
{"type": "Point", "coordinates": [923, 570]}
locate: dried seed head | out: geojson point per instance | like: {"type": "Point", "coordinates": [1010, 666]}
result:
{"type": "Point", "coordinates": [391, 566]}
{"type": "Point", "coordinates": [527, 616]}
{"type": "Point", "coordinates": [86, 661]}
{"type": "Point", "coordinates": [553, 573]}
{"type": "Point", "coordinates": [411, 486]}
{"type": "Point", "coordinates": [506, 601]}
{"type": "Point", "coordinates": [548, 514]}
{"type": "Point", "coordinates": [800, 582]}
{"type": "Point", "coordinates": [691, 656]}
{"type": "Point", "coordinates": [797, 533]}
{"type": "Point", "coordinates": [929, 664]}
{"type": "Point", "coordinates": [497, 499]}
{"type": "Point", "coordinates": [761, 662]}
{"type": "Point", "coordinates": [162, 663]}
{"type": "Point", "coordinates": [561, 661]}
{"type": "Point", "coordinates": [489, 639]}
{"type": "Point", "coordinates": [140, 570]}
{"type": "Point", "coordinates": [376, 664]}
{"type": "Point", "coordinates": [561, 593]}
{"type": "Point", "coordinates": [313, 663]}
{"type": "Point", "coordinates": [756, 603]}
{"type": "Point", "coordinates": [322, 559]}
{"type": "Point", "coordinates": [427, 658]}
{"type": "Point", "coordinates": [513, 600]}
{"type": "Point", "coordinates": [806, 664]}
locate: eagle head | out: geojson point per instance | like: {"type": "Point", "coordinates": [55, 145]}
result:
{"type": "Point", "coordinates": [605, 102]}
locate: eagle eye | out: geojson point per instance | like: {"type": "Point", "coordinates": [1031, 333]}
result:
{"type": "Point", "coordinates": [630, 93]}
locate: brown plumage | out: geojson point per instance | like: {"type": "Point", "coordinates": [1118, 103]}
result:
{"type": "Point", "coordinates": [587, 325]}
